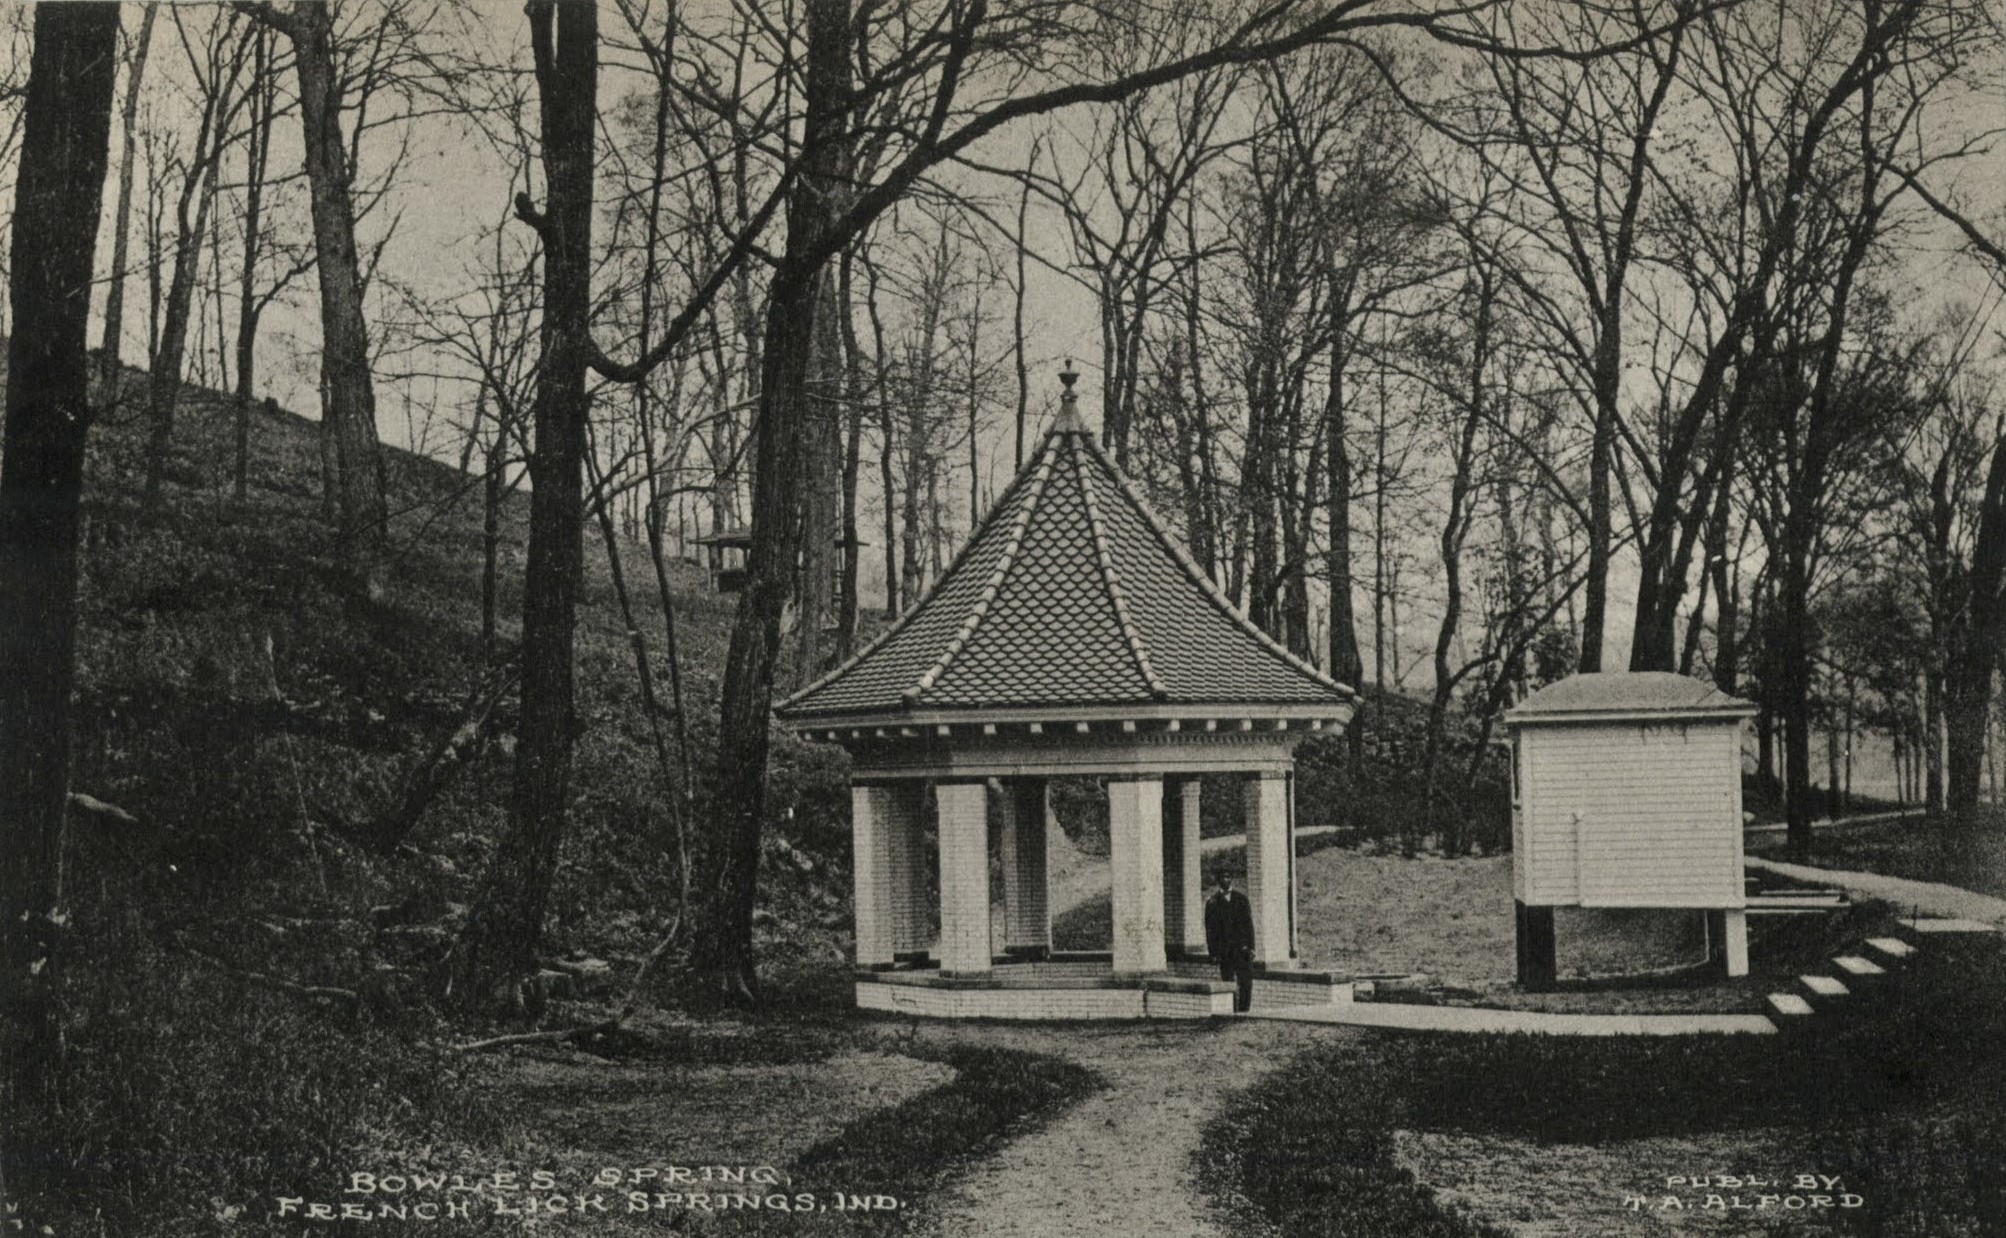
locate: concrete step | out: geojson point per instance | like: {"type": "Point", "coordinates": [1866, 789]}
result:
{"type": "Point", "coordinates": [1858, 968]}
{"type": "Point", "coordinates": [1789, 1005]}
{"type": "Point", "coordinates": [1893, 947]}
{"type": "Point", "coordinates": [1824, 986]}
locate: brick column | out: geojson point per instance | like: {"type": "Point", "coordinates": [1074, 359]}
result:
{"type": "Point", "coordinates": [964, 876]}
{"type": "Point", "coordinates": [1269, 861]}
{"type": "Point", "coordinates": [871, 862]}
{"type": "Point", "coordinates": [1135, 869]}
{"type": "Point", "coordinates": [907, 915]}
{"type": "Point", "coordinates": [1183, 880]}
{"type": "Point", "coordinates": [1027, 915]}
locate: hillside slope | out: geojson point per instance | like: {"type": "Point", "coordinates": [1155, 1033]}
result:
{"type": "Point", "coordinates": [234, 694]}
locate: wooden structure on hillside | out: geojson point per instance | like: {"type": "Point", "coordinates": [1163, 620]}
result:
{"type": "Point", "coordinates": [1626, 792]}
{"type": "Point", "coordinates": [726, 549]}
{"type": "Point", "coordinates": [1071, 636]}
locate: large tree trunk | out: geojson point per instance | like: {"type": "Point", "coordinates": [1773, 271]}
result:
{"type": "Point", "coordinates": [1968, 695]}
{"type": "Point", "coordinates": [498, 947]}
{"type": "Point", "coordinates": [349, 410]}
{"type": "Point", "coordinates": [1455, 527]}
{"type": "Point", "coordinates": [66, 132]}
{"type": "Point", "coordinates": [1595, 591]}
{"type": "Point", "coordinates": [1346, 665]}
{"type": "Point", "coordinates": [1967, 698]}
{"type": "Point", "coordinates": [491, 500]}
{"type": "Point", "coordinates": [249, 308]}
{"type": "Point", "coordinates": [724, 935]}
{"type": "Point", "coordinates": [1727, 600]}
{"type": "Point", "coordinates": [853, 447]}
{"type": "Point", "coordinates": [114, 305]}
{"type": "Point", "coordinates": [163, 389]}
{"type": "Point", "coordinates": [1795, 662]}
{"type": "Point", "coordinates": [821, 486]}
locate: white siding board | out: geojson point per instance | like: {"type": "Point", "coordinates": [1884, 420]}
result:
{"type": "Point", "coordinates": [1632, 814]}
{"type": "Point", "coordinates": [1521, 842]}
{"type": "Point", "coordinates": [1550, 859]}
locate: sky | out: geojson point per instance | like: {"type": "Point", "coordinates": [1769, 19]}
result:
{"type": "Point", "coordinates": [454, 185]}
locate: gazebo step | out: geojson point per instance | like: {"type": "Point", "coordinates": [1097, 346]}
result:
{"type": "Point", "coordinates": [1274, 989]}
{"type": "Point", "coordinates": [1015, 994]}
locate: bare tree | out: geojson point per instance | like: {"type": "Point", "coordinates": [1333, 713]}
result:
{"type": "Point", "coordinates": [66, 135]}
{"type": "Point", "coordinates": [114, 311]}
{"type": "Point", "coordinates": [349, 407]}
{"type": "Point", "coordinates": [215, 66]}
{"type": "Point", "coordinates": [253, 300]}
{"type": "Point", "coordinates": [498, 946]}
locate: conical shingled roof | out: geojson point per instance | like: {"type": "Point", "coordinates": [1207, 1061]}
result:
{"type": "Point", "coordinates": [1070, 594]}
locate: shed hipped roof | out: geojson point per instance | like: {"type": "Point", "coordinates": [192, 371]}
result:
{"type": "Point", "coordinates": [1070, 593]}
{"type": "Point", "coordinates": [1626, 693]}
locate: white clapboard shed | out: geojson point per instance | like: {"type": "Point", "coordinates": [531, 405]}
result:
{"type": "Point", "coordinates": [1626, 792]}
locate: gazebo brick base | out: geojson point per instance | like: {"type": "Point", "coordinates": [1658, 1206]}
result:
{"type": "Point", "coordinates": [1086, 990]}
{"type": "Point", "coordinates": [1282, 986]}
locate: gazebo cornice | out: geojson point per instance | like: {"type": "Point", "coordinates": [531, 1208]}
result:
{"type": "Point", "coordinates": [1229, 713]}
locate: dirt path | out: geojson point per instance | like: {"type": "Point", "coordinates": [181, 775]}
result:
{"type": "Point", "coordinates": [1122, 1162]}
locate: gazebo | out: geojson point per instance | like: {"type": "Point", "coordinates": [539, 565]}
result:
{"type": "Point", "coordinates": [1071, 636]}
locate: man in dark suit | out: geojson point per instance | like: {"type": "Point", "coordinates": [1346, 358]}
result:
{"type": "Point", "coordinates": [1229, 938]}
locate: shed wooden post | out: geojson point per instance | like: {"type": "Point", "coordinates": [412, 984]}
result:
{"type": "Point", "coordinates": [1135, 855]}
{"type": "Point", "coordinates": [1269, 861]}
{"type": "Point", "coordinates": [1729, 931]}
{"type": "Point", "coordinates": [1536, 961]}
{"type": "Point", "coordinates": [1183, 881]}
{"type": "Point", "coordinates": [964, 877]}
{"type": "Point", "coordinates": [1027, 916]}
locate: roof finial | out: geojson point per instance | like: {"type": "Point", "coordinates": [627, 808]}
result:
{"type": "Point", "coordinates": [1068, 421]}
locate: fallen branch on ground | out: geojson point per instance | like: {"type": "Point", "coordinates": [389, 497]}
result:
{"type": "Point", "coordinates": [554, 1036]}
{"type": "Point", "coordinates": [453, 753]}
{"type": "Point", "coordinates": [276, 982]}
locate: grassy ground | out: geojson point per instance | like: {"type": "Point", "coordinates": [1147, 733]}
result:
{"type": "Point", "coordinates": [1764, 801]}
{"type": "Point", "coordinates": [1363, 910]}
{"type": "Point", "coordinates": [1920, 849]}
{"type": "Point", "coordinates": [1551, 1135]}
{"type": "Point", "coordinates": [247, 706]}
